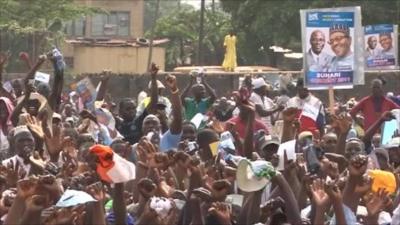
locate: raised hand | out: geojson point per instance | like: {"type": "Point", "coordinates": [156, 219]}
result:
{"type": "Point", "coordinates": [333, 191]}
{"type": "Point", "coordinates": [387, 116]}
{"type": "Point", "coordinates": [358, 165]}
{"type": "Point", "coordinates": [221, 211]}
{"type": "Point", "coordinates": [36, 203]}
{"type": "Point", "coordinates": [289, 114]}
{"type": "Point", "coordinates": [12, 173]}
{"type": "Point", "coordinates": [170, 80]}
{"type": "Point", "coordinates": [376, 202]}
{"type": "Point", "coordinates": [96, 191]}
{"type": "Point", "coordinates": [27, 187]}
{"type": "Point", "coordinates": [342, 123]}
{"type": "Point", "coordinates": [148, 154]}
{"type": "Point", "coordinates": [154, 70]}
{"type": "Point", "coordinates": [319, 196]}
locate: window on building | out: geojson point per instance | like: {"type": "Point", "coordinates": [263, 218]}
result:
{"type": "Point", "coordinates": [112, 24]}
{"type": "Point", "coordinates": [76, 28]}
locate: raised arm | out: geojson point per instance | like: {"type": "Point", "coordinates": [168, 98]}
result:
{"type": "Point", "coordinates": [152, 108]}
{"type": "Point", "coordinates": [55, 96]}
{"type": "Point", "coordinates": [210, 90]}
{"type": "Point", "coordinates": [292, 209]}
{"type": "Point", "coordinates": [185, 92]}
{"type": "Point", "coordinates": [386, 116]}
{"type": "Point", "coordinates": [262, 112]}
{"type": "Point", "coordinates": [119, 206]}
{"type": "Point", "coordinates": [103, 87]}
{"type": "Point", "coordinates": [176, 125]}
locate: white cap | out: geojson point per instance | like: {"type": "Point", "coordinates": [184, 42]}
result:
{"type": "Point", "coordinates": [159, 85]}
{"type": "Point", "coordinates": [258, 82]}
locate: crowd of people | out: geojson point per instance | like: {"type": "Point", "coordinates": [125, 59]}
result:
{"type": "Point", "coordinates": [192, 157]}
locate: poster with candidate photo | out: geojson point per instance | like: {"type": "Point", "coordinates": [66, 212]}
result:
{"type": "Point", "coordinates": [331, 47]}
{"type": "Point", "coordinates": [381, 52]}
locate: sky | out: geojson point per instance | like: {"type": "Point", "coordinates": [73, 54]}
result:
{"type": "Point", "coordinates": [196, 3]}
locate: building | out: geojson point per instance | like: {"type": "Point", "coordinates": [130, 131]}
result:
{"type": "Point", "coordinates": [112, 41]}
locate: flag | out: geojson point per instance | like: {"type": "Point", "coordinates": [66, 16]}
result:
{"type": "Point", "coordinates": [111, 167]}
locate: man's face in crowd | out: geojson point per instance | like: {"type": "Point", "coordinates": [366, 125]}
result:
{"type": "Point", "coordinates": [372, 42]}
{"type": "Point", "coordinates": [24, 144]}
{"type": "Point", "coordinates": [268, 152]}
{"type": "Point", "coordinates": [376, 140]}
{"type": "Point", "coordinates": [394, 155]}
{"type": "Point", "coordinates": [377, 90]}
{"type": "Point", "coordinates": [386, 42]}
{"type": "Point", "coordinates": [352, 149]}
{"type": "Point", "coordinates": [262, 90]}
{"type": "Point", "coordinates": [340, 43]}
{"type": "Point", "coordinates": [329, 142]}
{"type": "Point", "coordinates": [317, 41]}
{"type": "Point", "coordinates": [302, 92]}
{"type": "Point", "coordinates": [128, 110]}
{"type": "Point", "coordinates": [198, 91]}
{"type": "Point", "coordinates": [151, 124]}
{"type": "Point", "coordinates": [188, 133]}
{"type": "Point", "coordinates": [33, 107]}
{"type": "Point", "coordinates": [68, 110]}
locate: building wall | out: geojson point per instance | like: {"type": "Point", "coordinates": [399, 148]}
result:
{"type": "Point", "coordinates": [135, 7]}
{"type": "Point", "coordinates": [117, 59]}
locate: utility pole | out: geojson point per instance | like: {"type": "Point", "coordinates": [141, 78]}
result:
{"type": "Point", "coordinates": [201, 35]}
{"type": "Point", "coordinates": [152, 34]}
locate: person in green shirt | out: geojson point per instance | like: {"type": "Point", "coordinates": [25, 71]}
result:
{"type": "Point", "coordinates": [199, 102]}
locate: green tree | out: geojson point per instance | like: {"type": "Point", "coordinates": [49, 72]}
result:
{"type": "Point", "coordinates": [263, 23]}
{"type": "Point", "coordinates": [182, 26]}
{"type": "Point", "coordinates": [38, 23]}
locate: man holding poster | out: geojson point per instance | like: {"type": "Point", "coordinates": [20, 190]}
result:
{"type": "Point", "coordinates": [337, 29]}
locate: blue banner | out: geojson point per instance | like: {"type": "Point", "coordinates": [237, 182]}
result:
{"type": "Point", "coordinates": [325, 19]}
{"type": "Point", "coordinates": [318, 79]}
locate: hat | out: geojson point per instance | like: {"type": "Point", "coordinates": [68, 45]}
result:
{"type": "Point", "coordinates": [57, 116]}
{"type": "Point", "coordinates": [343, 28]}
{"type": "Point", "coordinates": [73, 198]}
{"type": "Point", "coordinates": [21, 129]}
{"type": "Point", "coordinates": [269, 140]}
{"type": "Point", "coordinates": [305, 134]}
{"type": "Point", "coordinates": [393, 143]}
{"type": "Point", "coordinates": [254, 175]}
{"type": "Point", "coordinates": [258, 82]}
{"type": "Point", "coordinates": [159, 85]}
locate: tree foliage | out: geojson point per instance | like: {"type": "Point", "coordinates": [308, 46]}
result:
{"type": "Point", "coordinates": [181, 26]}
{"type": "Point", "coordinates": [27, 16]}
{"type": "Point", "coordinates": [263, 23]}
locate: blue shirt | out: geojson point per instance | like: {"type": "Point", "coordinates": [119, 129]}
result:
{"type": "Point", "coordinates": [169, 141]}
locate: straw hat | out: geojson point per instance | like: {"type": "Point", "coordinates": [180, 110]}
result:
{"type": "Point", "coordinates": [254, 175]}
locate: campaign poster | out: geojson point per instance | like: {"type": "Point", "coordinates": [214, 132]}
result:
{"type": "Point", "coordinates": [331, 47]}
{"type": "Point", "coordinates": [381, 52]}
{"type": "Point", "coordinates": [86, 92]}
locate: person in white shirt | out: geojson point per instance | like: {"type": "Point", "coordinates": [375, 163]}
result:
{"type": "Point", "coordinates": [265, 107]}
{"type": "Point", "coordinates": [23, 145]}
